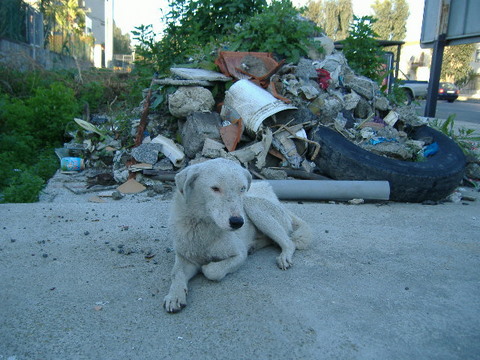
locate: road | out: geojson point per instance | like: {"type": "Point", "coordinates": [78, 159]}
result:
{"type": "Point", "coordinates": [467, 112]}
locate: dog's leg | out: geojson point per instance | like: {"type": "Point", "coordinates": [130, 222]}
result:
{"type": "Point", "coordinates": [182, 272]}
{"type": "Point", "coordinates": [231, 254]}
{"type": "Point", "coordinates": [273, 221]}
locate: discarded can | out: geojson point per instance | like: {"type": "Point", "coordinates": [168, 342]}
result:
{"type": "Point", "coordinates": [72, 164]}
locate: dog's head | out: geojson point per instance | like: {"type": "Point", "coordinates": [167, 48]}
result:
{"type": "Point", "coordinates": [213, 191]}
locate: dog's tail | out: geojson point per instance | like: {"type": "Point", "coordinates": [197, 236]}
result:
{"type": "Point", "coordinates": [301, 234]}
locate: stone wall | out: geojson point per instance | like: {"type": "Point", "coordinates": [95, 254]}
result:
{"type": "Point", "coordinates": [25, 57]}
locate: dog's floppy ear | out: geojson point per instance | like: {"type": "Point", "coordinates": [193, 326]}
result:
{"type": "Point", "coordinates": [248, 176]}
{"type": "Point", "coordinates": [184, 180]}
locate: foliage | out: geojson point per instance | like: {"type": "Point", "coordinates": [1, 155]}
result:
{"type": "Point", "coordinates": [456, 63]}
{"type": "Point", "coordinates": [465, 138]}
{"type": "Point", "coordinates": [35, 109]}
{"type": "Point", "coordinates": [121, 42]}
{"type": "Point", "coordinates": [277, 29]}
{"type": "Point", "coordinates": [361, 49]}
{"type": "Point", "coordinates": [24, 187]}
{"type": "Point", "coordinates": [42, 116]}
{"type": "Point", "coordinates": [333, 16]}
{"type": "Point", "coordinates": [397, 94]}
{"type": "Point", "coordinates": [196, 29]}
{"type": "Point", "coordinates": [191, 24]}
{"type": "Point", "coordinates": [392, 18]}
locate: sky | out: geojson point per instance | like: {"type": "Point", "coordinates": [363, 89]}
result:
{"type": "Point", "coordinates": [131, 13]}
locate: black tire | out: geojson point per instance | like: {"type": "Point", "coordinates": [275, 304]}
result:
{"type": "Point", "coordinates": [433, 179]}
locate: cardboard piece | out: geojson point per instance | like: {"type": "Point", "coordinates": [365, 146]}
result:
{"type": "Point", "coordinates": [131, 186]}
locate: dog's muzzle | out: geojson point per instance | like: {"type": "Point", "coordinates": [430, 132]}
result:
{"type": "Point", "coordinates": [236, 222]}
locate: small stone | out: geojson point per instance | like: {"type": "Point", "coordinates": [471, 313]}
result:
{"type": "Point", "coordinates": [117, 195]}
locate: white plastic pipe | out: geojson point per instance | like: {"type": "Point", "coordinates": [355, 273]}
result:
{"type": "Point", "coordinates": [330, 189]}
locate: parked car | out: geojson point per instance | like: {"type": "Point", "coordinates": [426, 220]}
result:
{"type": "Point", "coordinates": [414, 89]}
{"type": "Point", "coordinates": [447, 91]}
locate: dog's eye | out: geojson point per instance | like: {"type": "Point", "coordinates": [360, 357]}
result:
{"type": "Point", "coordinates": [215, 188]}
{"type": "Point", "coordinates": [243, 189]}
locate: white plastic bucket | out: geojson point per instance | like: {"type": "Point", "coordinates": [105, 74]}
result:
{"type": "Point", "coordinates": [253, 103]}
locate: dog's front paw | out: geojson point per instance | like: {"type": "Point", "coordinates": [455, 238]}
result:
{"type": "Point", "coordinates": [175, 302]}
{"type": "Point", "coordinates": [284, 261]}
{"type": "Point", "coordinates": [213, 271]}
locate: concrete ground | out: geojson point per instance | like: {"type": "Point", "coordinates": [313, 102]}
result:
{"type": "Point", "coordinates": [86, 280]}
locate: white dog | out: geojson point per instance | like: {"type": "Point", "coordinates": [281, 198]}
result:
{"type": "Point", "coordinates": [218, 219]}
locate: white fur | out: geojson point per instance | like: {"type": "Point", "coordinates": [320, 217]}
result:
{"type": "Point", "coordinates": [210, 196]}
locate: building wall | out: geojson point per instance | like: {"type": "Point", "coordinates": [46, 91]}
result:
{"type": "Point", "coordinates": [101, 19]}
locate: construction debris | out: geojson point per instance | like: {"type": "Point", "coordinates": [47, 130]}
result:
{"type": "Point", "coordinates": [264, 121]}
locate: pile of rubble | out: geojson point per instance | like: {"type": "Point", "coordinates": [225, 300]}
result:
{"type": "Point", "coordinates": [264, 121]}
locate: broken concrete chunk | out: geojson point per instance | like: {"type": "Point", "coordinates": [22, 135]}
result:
{"type": "Point", "coordinates": [407, 115]}
{"type": "Point", "coordinates": [362, 85]}
{"type": "Point", "coordinates": [248, 153]}
{"type": "Point", "coordinates": [199, 74]}
{"type": "Point", "coordinates": [326, 43]}
{"type": "Point", "coordinates": [305, 70]}
{"type": "Point", "coordinates": [381, 103]}
{"type": "Point", "coordinates": [351, 100]}
{"type": "Point", "coordinates": [331, 62]}
{"type": "Point", "coordinates": [146, 153]}
{"type": "Point", "coordinates": [187, 100]}
{"type": "Point", "coordinates": [199, 127]}
{"type": "Point", "coordinates": [326, 106]}
{"type": "Point", "coordinates": [213, 149]}
{"type": "Point", "coordinates": [309, 91]}
{"type": "Point", "coordinates": [363, 109]}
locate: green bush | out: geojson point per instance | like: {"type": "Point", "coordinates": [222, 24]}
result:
{"type": "Point", "coordinates": [25, 187]}
{"type": "Point", "coordinates": [361, 49]}
{"type": "Point", "coordinates": [42, 117]}
{"type": "Point", "coordinates": [279, 30]}
{"type": "Point", "coordinates": [195, 28]}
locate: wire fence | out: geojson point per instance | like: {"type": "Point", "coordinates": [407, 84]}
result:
{"type": "Point", "coordinates": [20, 22]}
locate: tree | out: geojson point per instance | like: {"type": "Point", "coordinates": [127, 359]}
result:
{"type": "Point", "coordinates": [121, 42]}
{"type": "Point", "coordinates": [456, 63]}
{"type": "Point", "coordinates": [361, 48]}
{"type": "Point", "coordinates": [197, 29]}
{"type": "Point", "coordinates": [70, 19]}
{"type": "Point", "coordinates": [392, 18]}
{"type": "Point", "coordinates": [333, 16]}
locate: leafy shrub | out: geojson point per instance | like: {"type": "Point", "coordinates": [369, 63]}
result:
{"type": "Point", "coordinates": [277, 29]}
{"type": "Point", "coordinates": [93, 94]}
{"type": "Point", "coordinates": [43, 116]}
{"type": "Point", "coordinates": [361, 49]}
{"type": "Point", "coordinates": [24, 188]}
{"type": "Point", "coordinates": [198, 27]}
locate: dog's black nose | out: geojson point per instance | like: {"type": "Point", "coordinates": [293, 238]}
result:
{"type": "Point", "coordinates": [236, 222]}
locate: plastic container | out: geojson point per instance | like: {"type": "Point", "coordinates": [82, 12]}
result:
{"type": "Point", "coordinates": [253, 103]}
{"type": "Point", "coordinates": [72, 164]}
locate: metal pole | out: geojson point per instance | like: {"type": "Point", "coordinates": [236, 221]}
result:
{"type": "Point", "coordinates": [435, 70]}
{"type": "Point", "coordinates": [437, 58]}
